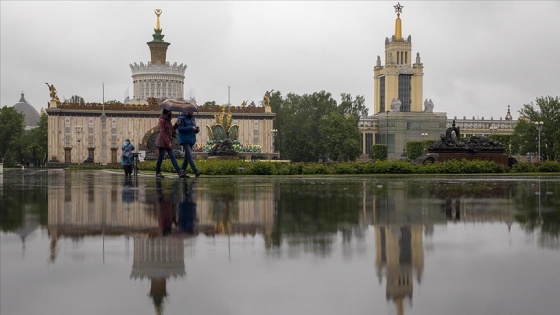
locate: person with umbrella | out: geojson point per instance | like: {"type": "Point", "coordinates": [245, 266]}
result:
{"type": "Point", "coordinates": [165, 144]}
{"type": "Point", "coordinates": [187, 130]}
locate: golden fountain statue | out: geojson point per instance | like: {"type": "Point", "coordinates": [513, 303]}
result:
{"type": "Point", "coordinates": [223, 127]}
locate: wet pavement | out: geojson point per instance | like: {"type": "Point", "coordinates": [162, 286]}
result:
{"type": "Point", "coordinates": [91, 242]}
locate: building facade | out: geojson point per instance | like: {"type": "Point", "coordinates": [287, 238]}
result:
{"type": "Point", "coordinates": [398, 78]}
{"type": "Point", "coordinates": [158, 78]}
{"type": "Point", "coordinates": [400, 116]}
{"type": "Point", "coordinates": [94, 132]}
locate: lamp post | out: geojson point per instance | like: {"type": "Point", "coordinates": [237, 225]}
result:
{"type": "Point", "coordinates": [539, 125]}
{"type": "Point", "coordinates": [387, 133]}
{"type": "Point", "coordinates": [103, 130]}
{"type": "Point", "coordinates": [103, 99]}
{"type": "Point", "coordinates": [79, 129]}
{"type": "Point", "coordinates": [274, 133]}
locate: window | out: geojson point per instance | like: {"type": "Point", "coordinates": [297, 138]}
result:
{"type": "Point", "coordinates": [405, 91]}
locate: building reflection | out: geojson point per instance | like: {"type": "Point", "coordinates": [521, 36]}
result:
{"type": "Point", "coordinates": [402, 213]}
{"type": "Point", "coordinates": [158, 259]}
{"type": "Point", "coordinates": [124, 207]}
{"type": "Point", "coordinates": [308, 214]}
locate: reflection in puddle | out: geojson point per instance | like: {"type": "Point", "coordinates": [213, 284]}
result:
{"type": "Point", "coordinates": [295, 218]}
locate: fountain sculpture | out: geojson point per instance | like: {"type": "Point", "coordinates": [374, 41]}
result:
{"type": "Point", "coordinates": [452, 147]}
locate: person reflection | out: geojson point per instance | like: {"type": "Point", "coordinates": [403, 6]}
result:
{"type": "Point", "coordinates": [128, 190]}
{"type": "Point", "coordinates": [165, 209]}
{"type": "Point", "coordinates": [186, 222]}
{"type": "Point", "coordinates": [452, 212]}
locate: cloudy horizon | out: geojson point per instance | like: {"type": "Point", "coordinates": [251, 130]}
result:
{"type": "Point", "coordinates": [479, 57]}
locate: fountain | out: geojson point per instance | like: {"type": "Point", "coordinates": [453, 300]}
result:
{"type": "Point", "coordinates": [452, 147]}
{"type": "Point", "coordinates": [222, 133]}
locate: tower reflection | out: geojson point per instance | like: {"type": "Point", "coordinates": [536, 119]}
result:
{"type": "Point", "coordinates": [158, 259]}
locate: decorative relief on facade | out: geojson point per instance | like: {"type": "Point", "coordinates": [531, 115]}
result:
{"type": "Point", "coordinates": [90, 133]}
{"type": "Point", "coordinates": [113, 132]}
{"type": "Point", "coordinates": [67, 132]}
{"type": "Point", "coordinates": [404, 69]}
{"type": "Point", "coordinates": [158, 68]}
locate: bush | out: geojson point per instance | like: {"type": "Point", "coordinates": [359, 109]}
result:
{"type": "Point", "coordinates": [462, 167]}
{"type": "Point", "coordinates": [414, 149]}
{"type": "Point", "coordinates": [346, 168]}
{"type": "Point", "coordinates": [523, 167]}
{"type": "Point", "coordinates": [314, 168]}
{"type": "Point", "coordinates": [260, 168]}
{"type": "Point", "coordinates": [379, 152]}
{"type": "Point", "coordinates": [549, 167]}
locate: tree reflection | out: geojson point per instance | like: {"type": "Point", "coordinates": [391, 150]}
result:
{"type": "Point", "coordinates": [24, 205]}
{"type": "Point", "coordinates": [311, 213]}
{"type": "Point", "coordinates": [540, 211]}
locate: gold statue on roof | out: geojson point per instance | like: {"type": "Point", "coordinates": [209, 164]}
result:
{"type": "Point", "coordinates": [53, 95]}
{"type": "Point", "coordinates": [158, 13]}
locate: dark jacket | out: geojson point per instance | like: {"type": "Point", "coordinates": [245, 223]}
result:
{"type": "Point", "coordinates": [186, 129]}
{"type": "Point", "coordinates": [165, 133]}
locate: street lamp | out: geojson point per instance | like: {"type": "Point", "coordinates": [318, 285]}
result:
{"type": "Point", "coordinates": [274, 133]}
{"type": "Point", "coordinates": [539, 125]}
{"type": "Point", "coordinates": [387, 134]}
{"type": "Point", "coordinates": [103, 130]}
{"type": "Point", "coordinates": [79, 129]}
{"type": "Point", "coordinates": [103, 99]}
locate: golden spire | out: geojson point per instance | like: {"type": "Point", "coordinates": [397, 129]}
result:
{"type": "Point", "coordinates": [158, 13]}
{"type": "Point", "coordinates": [398, 30]}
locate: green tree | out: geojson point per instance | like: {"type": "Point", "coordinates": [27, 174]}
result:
{"type": "Point", "coordinates": [11, 126]}
{"type": "Point", "coordinates": [113, 102]}
{"type": "Point", "coordinates": [525, 137]}
{"type": "Point", "coordinates": [298, 123]}
{"type": "Point", "coordinates": [35, 153]}
{"type": "Point", "coordinates": [339, 137]}
{"type": "Point", "coordinates": [355, 107]}
{"type": "Point", "coordinates": [8, 159]}
{"type": "Point", "coordinates": [504, 140]}
{"type": "Point", "coordinates": [41, 135]}
{"type": "Point", "coordinates": [75, 99]}
{"type": "Point", "coordinates": [414, 149]}
{"type": "Point", "coordinates": [212, 103]}
{"type": "Point", "coordinates": [379, 152]}
{"type": "Point", "coordinates": [300, 130]}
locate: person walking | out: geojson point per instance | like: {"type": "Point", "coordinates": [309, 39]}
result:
{"type": "Point", "coordinates": [127, 158]}
{"type": "Point", "coordinates": [165, 144]}
{"type": "Point", "coordinates": [187, 130]}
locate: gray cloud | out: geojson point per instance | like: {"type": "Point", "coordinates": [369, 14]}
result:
{"type": "Point", "coordinates": [478, 56]}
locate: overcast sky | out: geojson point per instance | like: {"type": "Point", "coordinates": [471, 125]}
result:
{"type": "Point", "coordinates": [478, 56]}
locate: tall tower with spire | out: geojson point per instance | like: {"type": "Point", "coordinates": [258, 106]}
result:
{"type": "Point", "coordinates": [158, 78]}
{"type": "Point", "coordinates": [398, 80]}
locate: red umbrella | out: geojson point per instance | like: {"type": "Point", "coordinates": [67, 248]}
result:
{"type": "Point", "coordinates": [179, 105]}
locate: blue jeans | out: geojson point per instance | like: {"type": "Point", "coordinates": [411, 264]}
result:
{"type": "Point", "coordinates": [189, 158]}
{"type": "Point", "coordinates": [171, 157]}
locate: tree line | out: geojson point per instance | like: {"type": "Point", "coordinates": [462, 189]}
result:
{"type": "Point", "coordinates": [311, 128]}
{"type": "Point", "coordinates": [19, 145]}
{"type": "Point", "coordinates": [314, 127]}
